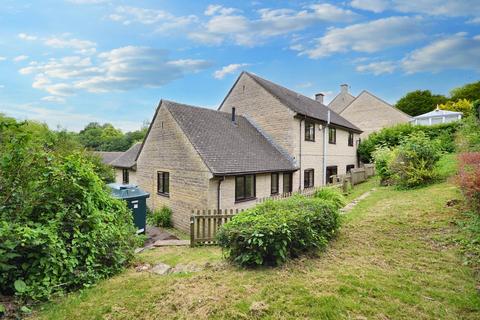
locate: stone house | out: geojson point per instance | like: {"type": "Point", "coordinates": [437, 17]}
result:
{"type": "Point", "coordinates": [367, 111]}
{"type": "Point", "coordinates": [264, 139]}
{"type": "Point", "coordinates": [123, 163]}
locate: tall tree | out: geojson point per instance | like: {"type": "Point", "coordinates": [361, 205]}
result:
{"type": "Point", "coordinates": [470, 91]}
{"type": "Point", "coordinates": [420, 101]}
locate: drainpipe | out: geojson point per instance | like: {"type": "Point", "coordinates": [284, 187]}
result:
{"type": "Point", "coordinates": [218, 191]}
{"type": "Point", "coordinates": [325, 148]}
{"type": "Point", "coordinates": [300, 157]}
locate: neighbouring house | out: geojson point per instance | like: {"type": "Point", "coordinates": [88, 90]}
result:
{"type": "Point", "coordinates": [437, 116]}
{"type": "Point", "coordinates": [108, 156]}
{"type": "Point", "coordinates": [263, 140]}
{"type": "Point", "coordinates": [367, 111]}
{"type": "Point", "coordinates": [123, 163]}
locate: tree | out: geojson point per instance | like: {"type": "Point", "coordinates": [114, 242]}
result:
{"type": "Point", "coordinates": [419, 102]}
{"type": "Point", "coordinates": [462, 105]}
{"type": "Point", "coordinates": [470, 91]}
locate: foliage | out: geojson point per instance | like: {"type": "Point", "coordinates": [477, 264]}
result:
{"type": "Point", "coordinates": [462, 105]}
{"type": "Point", "coordinates": [160, 218]}
{"type": "Point", "coordinates": [392, 136]}
{"type": "Point", "coordinates": [469, 178]}
{"type": "Point", "coordinates": [419, 102]}
{"type": "Point", "coordinates": [332, 195]}
{"type": "Point", "coordinates": [383, 157]}
{"type": "Point", "coordinates": [414, 160]}
{"type": "Point", "coordinates": [59, 227]}
{"type": "Point", "coordinates": [470, 91]}
{"type": "Point", "coordinates": [104, 171]}
{"type": "Point", "coordinates": [274, 231]}
{"type": "Point", "coordinates": [468, 136]}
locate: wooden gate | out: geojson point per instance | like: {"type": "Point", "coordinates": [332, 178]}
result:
{"type": "Point", "coordinates": [204, 224]}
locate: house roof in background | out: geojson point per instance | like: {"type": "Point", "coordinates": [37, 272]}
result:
{"type": "Point", "coordinates": [127, 159]}
{"type": "Point", "coordinates": [438, 113]}
{"type": "Point", "coordinates": [227, 147]}
{"type": "Point", "coordinates": [303, 105]}
{"type": "Point", "coordinates": [341, 101]}
{"type": "Point", "coordinates": [107, 157]}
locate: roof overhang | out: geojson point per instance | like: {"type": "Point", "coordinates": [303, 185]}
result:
{"type": "Point", "coordinates": [253, 172]}
{"type": "Point", "coordinates": [323, 122]}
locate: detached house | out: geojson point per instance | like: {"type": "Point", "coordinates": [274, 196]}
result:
{"type": "Point", "coordinates": [367, 111]}
{"type": "Point", "coordinates": [264, 139]}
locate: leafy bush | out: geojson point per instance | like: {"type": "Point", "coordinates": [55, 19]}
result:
{"type": "Point", "coordinates": [274, 231]}
{"type": "Point", "coordinates": [160, 218]}
{"type": "Point", "coordinates": [392, 136]}
{"type": "Point", "coordinates": [468, 136]}
{"type": "Point", "coordinates": [59, 227]}
{"type": "Point", "coordinates": [469, 178]}
{"type": "Point", "coordinates": [383, 157]}
{"type": "Point", "coordinates": [332, 195]}
{"type": "Point", "coordinates": [414, 161]}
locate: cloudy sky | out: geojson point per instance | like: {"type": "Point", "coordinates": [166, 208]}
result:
{"type": "Point", "coordinates": [70, 62]}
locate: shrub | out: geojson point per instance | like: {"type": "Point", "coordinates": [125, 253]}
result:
{"type": "Point", "coordinates": [332, 195]}
{"type": "Point", "coordinates": [469, 178]}
{"type": "Point", "coordinates": [274, 231]}
{"type": "Point", "coordinates": [468, 136]}
{"type": "Point", "coordinates": [160, 218]}
{"type": "Point", "coordinates": [59, 227]}
{"type": "Point", "coordinates": [383, 156]}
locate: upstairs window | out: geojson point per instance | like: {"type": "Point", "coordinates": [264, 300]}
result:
{"type": "Point", "coordinates": [244, 187]}
{"type": "Point", "coordinates": [287, 182]}
{"type": "Point", "coordinates": [163, 183]}
{"type": "Point", "coordinates": [125, 178]}
{"type": "Point", "coordinates": [274, 184]}
{"type": "Point", "coordinates": [350, 139]}
{"type": "Point", "coordinates": [308, 181]}
{"type": "Point", "coordinates": [332, 135]}
{"type": "Point", "coordinates": [309, 131]}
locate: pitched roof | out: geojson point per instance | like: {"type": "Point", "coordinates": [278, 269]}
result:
{"type": "Point", "coordinates": [438, 113]}
{"type": "Point", "coordinates": [127, 159]}
{"type": "Point", "coordinates": [107, 157]}
{"type": "Point", "coordinates": [303, 105]}
{"type": "Point", "coordinates": [227, 147]}
{"type": "Point", "coordinates": [341, 101]}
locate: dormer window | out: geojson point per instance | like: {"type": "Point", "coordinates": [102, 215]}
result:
{"type": "Point", "coordinates": [309, 131]}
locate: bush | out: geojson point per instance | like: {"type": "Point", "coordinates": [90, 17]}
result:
{"type": "Point", "coordinates": [383, 157]}
{"type": "Point", "coordinates": [469, 178]}
{"type": "Point", "coordinates": [160, 218]}
{"type": "Point", "coordinates": [274, 231]}
{"type": "Point", "coordinates": [468, 136]}
{"type": "Point", "coordinates": [392, 137]}
{"type": "Point", "coordinates": [332, 195]}
{"type": "Point", "coordinates": [59, 227]}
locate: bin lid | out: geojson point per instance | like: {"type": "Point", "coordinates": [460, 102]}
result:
{"type": "Point", "coordinates": [126, 191]}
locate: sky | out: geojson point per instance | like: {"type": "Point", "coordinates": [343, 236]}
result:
{"type": "Point", "coordinates": [71, 62]}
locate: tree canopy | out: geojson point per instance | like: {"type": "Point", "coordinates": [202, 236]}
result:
{"type": "Point", "coordinates": [470, 91]}
{"type": "Point", "coordinates": [419, 102]}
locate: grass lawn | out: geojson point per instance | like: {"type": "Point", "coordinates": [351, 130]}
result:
{"type": "Point", "coordinates": [393, 259]}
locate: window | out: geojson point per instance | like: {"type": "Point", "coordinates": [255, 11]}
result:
{"type": "Point", "coordinates": [287, 182]}
{"type": "Point", "coordinates": [244, 187]}
{"type": "Point", "coordinates": [125, 176]}
{"type": "Point", "coordinates": [274, 184]}
{"type": "Point", "coordinates": [332, 135]}
{"type": "Point", "coordinates": [163, 183]}
{"type": "Point", "coordinates": [309, 131]}
{"type": "Point", "coordinates": [308, 178]}
{"type": "Point", "coordinates": [331, 171]}
{"type": "Point", "coordinates": [349, 167]}
{"type": "Point", "coordinates": [350, 139]}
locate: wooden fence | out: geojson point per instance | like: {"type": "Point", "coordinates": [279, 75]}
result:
{"type": "Point", "coordinates": [204, 224]}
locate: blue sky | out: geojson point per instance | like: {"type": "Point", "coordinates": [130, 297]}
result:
{"type": "Point", "coordinates": [70, 62]}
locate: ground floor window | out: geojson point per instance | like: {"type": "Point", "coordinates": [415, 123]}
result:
{"type": "Point", "coordinates": [331, 171]}
{"type": "Point", "coordinates": [350, 167]}
{"type": "Point", "coordinates": [163, 183]}
{"type": "Point", "coordinates": [287, 182]}
{"type": "Point", "coordinates": [244, 187]}
{"type": "Point", "coordinates": [274, 183]}
{"type": "Point", "coordinates": [308, 178]}
{"type": "Point", "coordinates": [125, 178]}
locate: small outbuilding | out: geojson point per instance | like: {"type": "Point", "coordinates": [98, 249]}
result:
{"type": "Point", "coordinates": [437, 116]}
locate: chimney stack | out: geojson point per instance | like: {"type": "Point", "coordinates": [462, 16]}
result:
{"type": "Point", "coordinates": [234, 118]}
{"type": "Point", "coordinates": [344, 88]}
{"type": "Point", "coordinates": [319, 97]}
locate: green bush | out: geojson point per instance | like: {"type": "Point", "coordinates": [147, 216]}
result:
{"type": "Point", "coordinates": [160, 218]}
{"type": "Point", "coordinates": [392, 137]}
{"type": "Point", "coordinates": [332, 195]}
{"type": "Point", "coordinates": [274, 231]}
{"type": "Point", "coordinates": [383, 157]}
{"type": "Point", "coordinates": [59, 227]}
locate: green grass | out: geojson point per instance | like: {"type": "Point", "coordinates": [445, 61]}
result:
{"type": "Point", "coordinates": [393, 259]}
{"type": "Point", "coordinates": [447, 166]}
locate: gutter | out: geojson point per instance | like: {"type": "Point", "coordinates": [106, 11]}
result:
{"type": "Point", "coordinates": [300, 156]}
{"type": "Point", "coordinates": [325, 128]}
{"type": "Point", "coordinates": [218, 192]}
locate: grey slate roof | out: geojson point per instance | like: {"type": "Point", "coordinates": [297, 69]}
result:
{"type": "Point", "coordinates": [127, 159]}
{"type": "Point", "coordinates": [303, 105]}
{"type": "Point", "coordinates": [107, 157]}
{"type": "Point", "coordinates": [227, 148]}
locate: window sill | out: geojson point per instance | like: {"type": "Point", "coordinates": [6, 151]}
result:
{"type": "Point", "coordinates": [166, 195]}
{"type": "Point", "coordinates": [275, 193]}
{"type": "Point", "coordinates": [245, 200]}
{"type": "Point", "coordinates": [332, 143]}
{"type": "Point", "coordinates": [309, 140]}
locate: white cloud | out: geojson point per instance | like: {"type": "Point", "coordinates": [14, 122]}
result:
{"type": "Point", "coordinates": [20, 58]}
{"type": "Point", "coordinates": [162, 20]}
{"type": "Point", "coordinates": [3, 58]}
{"type": "Point", "coordinates": [116, 70]}
{"type": "Point", "coordinates": [27, 37]}
{"type": "Point", "coordinates": [228, 69]}
{"type": "Point", "coordinates": [454, 52]}
{"type": "Point", "coordinates": [369, 37]}
{"type": "Point", "coordinates": [54, 99]}
{"type": "Point", "coordinates": [2, 86]}
{"type": "Point", "coordinates": [378, 68]}
{"type": "Point", "coordinates": [228, 23]}
{"type": "Point", "coordinates": [474, 21]}
{"type": "Point", "coordinates": [370, 5]}
{"type": "Point", "coordinates": [80, 46]}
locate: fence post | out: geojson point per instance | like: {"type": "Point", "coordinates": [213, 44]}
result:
{"type": "Point", "coordinates": [192, 230]}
